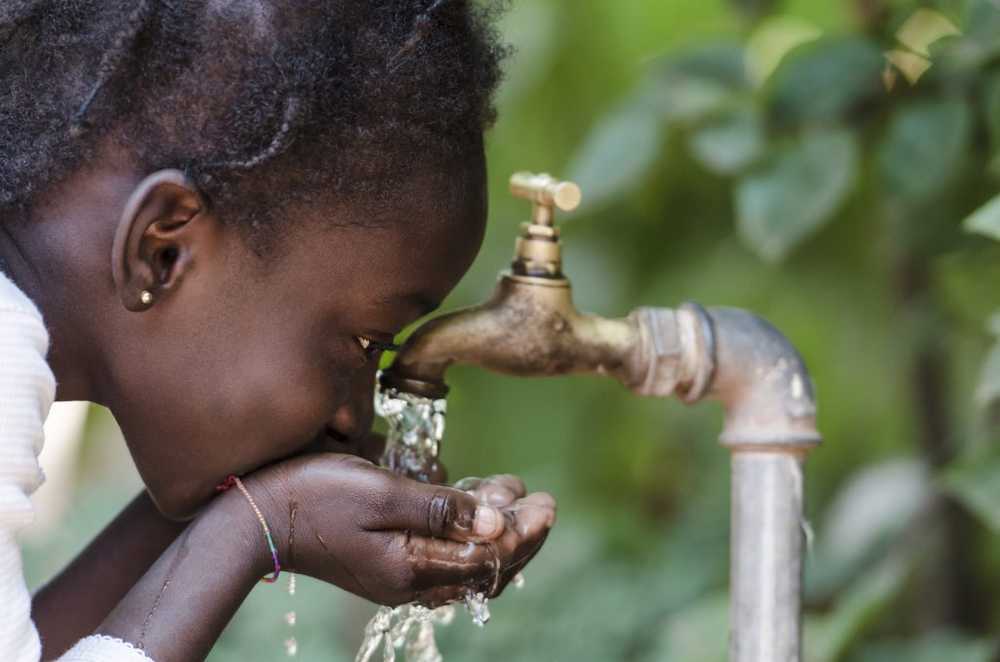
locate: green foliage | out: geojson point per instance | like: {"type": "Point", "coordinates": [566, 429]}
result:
{"type": "Point", "coordinates": [828, 637]}
{"type": "Point", "coordinates": [932, 647]}
{"type": "Point", "coordinates": [986, 219]}
{"type": "Point", "coordinates": [729, 143]}
{"type": "Point", "coordinates": [923, 149]}
{"type": "Point", "coordinates": [976, 482]}
{"type": "Point", "coordinates": [793, 195]}
{"type": "Point", "coordinates": [825, 81]}
{"type": "Point", "coordinates": [631, 138]}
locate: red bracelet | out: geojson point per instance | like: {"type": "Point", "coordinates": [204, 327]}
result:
{"type": "Point", "coordinates": [234, 480]}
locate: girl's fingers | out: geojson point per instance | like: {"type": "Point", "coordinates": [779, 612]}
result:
{"type": "Point", "coordinates": [437, 562]}
{"type": "Point", "coordinates": [437, 511]}
{"type": "Point", "coordinates": [533, 513]}
{"type": "Point", "coordinates": [485, 566]}
{"type": "Point", "coordinates": [500, 490]}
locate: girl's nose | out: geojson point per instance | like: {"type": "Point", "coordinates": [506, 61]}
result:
{"type": "Point", "coordinates": [354, 418]}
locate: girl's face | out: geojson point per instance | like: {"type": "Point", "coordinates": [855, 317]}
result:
{"type": "Point", "coordinates": [249, 360]}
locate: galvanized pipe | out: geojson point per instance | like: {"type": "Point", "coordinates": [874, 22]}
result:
{"type": "Point", "coordinates": [737, 358]}
{"type": "Point", "coordinates": [765, 557]}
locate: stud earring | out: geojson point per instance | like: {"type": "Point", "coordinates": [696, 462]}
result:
{"type": "Point", "coordinates": [146, 297]}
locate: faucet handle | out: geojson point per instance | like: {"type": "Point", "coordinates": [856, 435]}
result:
{"type": "Point", "coordinates": [536, 250]}
{"type": "Point", "coordinates": [545, 190]}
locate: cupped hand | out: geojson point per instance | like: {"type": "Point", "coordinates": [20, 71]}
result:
{"type": "Point", "coordinates": [393, 540]}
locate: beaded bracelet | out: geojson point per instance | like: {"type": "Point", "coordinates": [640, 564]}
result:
{"type": "Point", "coordinates": [234, 480]}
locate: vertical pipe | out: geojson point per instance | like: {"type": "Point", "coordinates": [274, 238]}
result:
{"type": "Point", "coordinates": [766, 556]}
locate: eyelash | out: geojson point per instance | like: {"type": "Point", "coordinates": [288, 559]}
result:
{"type": "Point", "coordinates": [373, 348]}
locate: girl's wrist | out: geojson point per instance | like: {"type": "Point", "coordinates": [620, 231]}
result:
{"type": "Point", "coordinates": [231, 513]}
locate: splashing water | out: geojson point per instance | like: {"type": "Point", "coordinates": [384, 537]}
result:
{"type": "Point", "coordinates": [415, 429]}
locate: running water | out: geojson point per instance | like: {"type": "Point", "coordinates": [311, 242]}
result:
{"type": "Point", "coordinates": [413, 439]}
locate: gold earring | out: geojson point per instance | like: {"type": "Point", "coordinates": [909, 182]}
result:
{"type": "Point", "coordinates": [146, 297]}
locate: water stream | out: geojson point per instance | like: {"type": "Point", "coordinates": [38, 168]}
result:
{"type": "Point", "coordinates": [413, 438]}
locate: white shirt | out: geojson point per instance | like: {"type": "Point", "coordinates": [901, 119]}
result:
{"type": "Point", "coordinates": [27, 388]}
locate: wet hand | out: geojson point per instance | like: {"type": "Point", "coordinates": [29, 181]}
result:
{"type": "Point", "coordinates": [529, 517]}
{"type": "Point", "coordinates": [390, 539]}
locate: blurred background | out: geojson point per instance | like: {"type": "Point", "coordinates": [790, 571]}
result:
{"type": "Point", "coordinates": [828, 164]}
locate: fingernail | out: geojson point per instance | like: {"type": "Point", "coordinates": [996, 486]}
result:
{"type": "Point", "coordinates": [487, 521]}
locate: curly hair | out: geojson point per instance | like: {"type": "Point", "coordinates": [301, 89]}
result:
{"type": "Point", "coordinates": [337, 96]}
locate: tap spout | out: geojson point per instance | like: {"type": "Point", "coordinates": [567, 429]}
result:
{"type": "Point", "coordinates": [528, 328]}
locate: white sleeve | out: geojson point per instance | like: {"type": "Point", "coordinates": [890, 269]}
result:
{"type": "Point", "coordinates": [99, 648]}
{"type": "Point", "coordinates": [27, 388]}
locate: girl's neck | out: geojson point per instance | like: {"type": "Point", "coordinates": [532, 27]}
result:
{"type": "Point", "coordinates": [60, 258]}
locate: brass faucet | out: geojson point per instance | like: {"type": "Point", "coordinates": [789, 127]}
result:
{"type": "Point", "coordinates": [530, 327]}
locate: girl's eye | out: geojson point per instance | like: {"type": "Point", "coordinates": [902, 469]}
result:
{"type": "Point", "coordinates": [373, 348]}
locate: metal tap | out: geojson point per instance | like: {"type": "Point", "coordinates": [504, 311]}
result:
{"type": "Point", "coordinates": [530, 327]}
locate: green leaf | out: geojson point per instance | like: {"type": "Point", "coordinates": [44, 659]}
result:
{"type": "Point", "coordinates": [798, 191]}
{"type": "Point", "coordinates": [976, 483]}
{"type": "Point", "coordinates": [986, 219]}
{"type": "Point", "coordinates": [873, 510]}
{"type": "Point", "coordinates": [691, 85]}
{"type": "Point", "coordinates": [729, 143]}
{"type": "Point", "coordinates": [981, 28]}
{"type": "Point", "coordinates": [936, 646]}
{"type": "Point", "coordinates": [827, 637]}
{"type": "Point", "coordinates": [826, 80]}
{"type": "Point", "coordinates": [991, 115]}
{"type": "Point", "coordinates": [620, 149]}
{"type": "Point", "coordinates": [773, 39]}
{"type": "Point", "coordinates": [692, 635]}
{"type": "Point", "coordinates": [924, 148]}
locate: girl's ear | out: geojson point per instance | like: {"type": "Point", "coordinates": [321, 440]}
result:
{"type": "Point", "coordinates": [159, 233]}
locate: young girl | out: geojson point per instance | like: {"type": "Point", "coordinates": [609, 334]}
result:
{"type": "Point", "coordinates": [214, 214]}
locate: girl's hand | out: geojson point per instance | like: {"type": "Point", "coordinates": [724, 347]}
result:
{"type": "Point", "coordinates": [393, 540]}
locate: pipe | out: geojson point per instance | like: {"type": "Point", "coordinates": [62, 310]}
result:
{"type": "Point", "coordinates": [770, 424]}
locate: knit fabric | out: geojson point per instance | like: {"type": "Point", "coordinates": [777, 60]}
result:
{"type": "Point", "coordinates": [27, 388]}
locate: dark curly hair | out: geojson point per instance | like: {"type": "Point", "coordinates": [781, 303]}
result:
{"type": "Point", "coordinates": [340, 96]}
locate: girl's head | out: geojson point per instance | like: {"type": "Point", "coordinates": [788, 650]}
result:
{"type": "Point", "coordinates": [282, 177]}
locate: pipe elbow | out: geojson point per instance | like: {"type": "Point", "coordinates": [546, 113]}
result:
{"type": "Point", "coordinates": [762, 382]}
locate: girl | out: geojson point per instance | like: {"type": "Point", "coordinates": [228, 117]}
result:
{"type": "Point", "coordinates": [215, 215]}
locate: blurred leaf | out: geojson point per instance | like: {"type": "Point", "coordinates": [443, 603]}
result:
{"type": "Point", "coordinates": [975, 482]}
{"type": "Point", "coordinates": [923, 28]}
{"type": "Point", "coordinates": [876, 505]}
{"type": "Point", "coordinates": [754, 9]}
{"type": "Point", "coordinates": [620, 149]}
{"type": "Point", "coordinates": [794, 194]}
{"type": "Point", "coordinates": [729, 143]}
{"type": "Point", "coordinates": [692, 635]}
{"type": "Point", "coordinates": [981, 27]}
{"type": "Point", "coordinates": [937, 646]}
{"type": "Point", "coordinates": [911, 65]}
{"type": "Point", "coordinates": [774, 38]}
{"type": "Point", "coordinates": [828, 637]}
{"type": "Point", "coordinates": [531, 29]}
{"type": "Point", "coordinates": [924, 148]}
{"type": "Point", "coordinates": [690, 85]}
{"type": "Point", "coordinates": [991, 114]}
{"type": "Point", "coordinates": [826, 80]}
{"type": "Point", "coordinates": [986, 219]}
